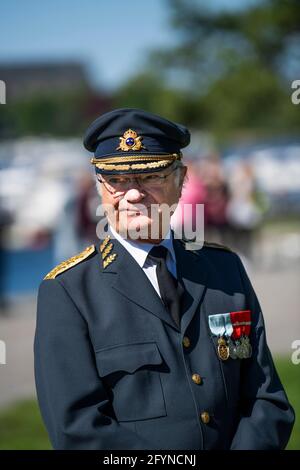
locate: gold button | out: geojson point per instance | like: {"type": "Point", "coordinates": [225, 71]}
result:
{"type": "Point", "coordinates": [196, 378]}
{"type": "Point", "coordinates": [205, 418]}
{"type": "Point", "coordinates": [186, 342]}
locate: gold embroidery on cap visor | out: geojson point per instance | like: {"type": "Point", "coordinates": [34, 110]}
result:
{"type": "Point", "coordinates": [134, 166]}
{"type": "Point", "coordinates": [110, 162]}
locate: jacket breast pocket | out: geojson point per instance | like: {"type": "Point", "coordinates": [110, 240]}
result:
{"type": "Point", "coordinates": [131, 374]}
{"type": "Point", "coordinates": [230, 370]}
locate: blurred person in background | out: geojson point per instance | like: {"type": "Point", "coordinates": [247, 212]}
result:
{"type": "Point", "coordinates": [216, 197]}
{"type": "Point", "coordinates": [76, 223]}
{"type": "Point", "coordinates": [193, 193]}
{"type": "Point", "coordinates": [87, 203]}
{"type": "Point", "coordinates": [205, 184]}
{"type": "Point", "coordinates": [243, 212]}
{"type": "Point", "coordinates": [5, 220]}
{"type": "Point", "coordinates": [65, 237]}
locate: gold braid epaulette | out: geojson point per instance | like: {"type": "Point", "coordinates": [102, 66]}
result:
{"type": "Point", "coordinates": [216, 245]}
{"type": "Point", "coordinates": [69, 263]}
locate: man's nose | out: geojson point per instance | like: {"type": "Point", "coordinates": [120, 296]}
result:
{"type": "Point", "coordinates": [134, 195]}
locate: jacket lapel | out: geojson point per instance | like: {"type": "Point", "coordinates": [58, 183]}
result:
{"type": "Point", "coordinates": [131, 281]}
{"type": "Point", "coordinates": [192, 273]}
{"type": "Point", "coordinates": [126, 276]}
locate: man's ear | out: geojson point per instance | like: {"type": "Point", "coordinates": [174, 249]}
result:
{"type": "Point", "coordinates": [183, 177]}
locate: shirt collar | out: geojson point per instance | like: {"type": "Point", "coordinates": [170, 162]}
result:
{"type": "Point", "coordinates": [139, 251]}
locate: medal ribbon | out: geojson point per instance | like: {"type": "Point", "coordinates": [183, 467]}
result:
{"type": "Point", "coordinates": [228, 324]}
{"type": "Point", "coordinates": [217, 324]}
{"type": "Point", "coordinates": [241, 323]}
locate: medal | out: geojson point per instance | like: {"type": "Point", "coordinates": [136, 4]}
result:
{"type": "Point", "coordinates": [223, 349]}
{"type": "Point", "coordinates": [232, 330]}
{"type": "Point", "coordinates": [232, 349]}
{"type": "Point", "coordinates": [239, 349]}
{"type": "Point", "coordinates": [246, 347]}
{"type": "Point", "coordinates": [241, 323]}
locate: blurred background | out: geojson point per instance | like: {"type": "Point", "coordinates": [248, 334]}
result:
{"type": "Point", "coordinates": [223, 68]}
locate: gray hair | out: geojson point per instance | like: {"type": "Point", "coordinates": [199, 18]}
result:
{"type": "Point", "coordinates": [178, 165]}
{"type": "Point", "coordinates": [98, 186]}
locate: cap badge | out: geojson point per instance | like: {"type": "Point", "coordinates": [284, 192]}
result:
{"type": "Point", "coordinates": [130, 141]}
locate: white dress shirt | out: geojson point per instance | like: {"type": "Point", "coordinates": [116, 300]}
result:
{"type": "Point", "coordinates": [139, 251]}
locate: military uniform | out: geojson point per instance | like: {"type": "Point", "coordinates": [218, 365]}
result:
{"type": "Point", "coordinates": [115, 371]}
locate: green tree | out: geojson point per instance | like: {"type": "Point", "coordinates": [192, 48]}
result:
{"type": "Point", "coordinates": [231, 69]}
{"type": "Point", "coordinates": [149, 91]}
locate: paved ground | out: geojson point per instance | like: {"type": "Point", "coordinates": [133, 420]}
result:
{"type": "Point", "coordinates": [17, 330]}
{"type": "Point", "coordinates": [279, 296]}
{"type": "Point", "coordinates": [278, 292]}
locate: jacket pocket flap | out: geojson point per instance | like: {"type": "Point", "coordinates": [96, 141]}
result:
{"type": "Point", "coordinates": [127, 357]}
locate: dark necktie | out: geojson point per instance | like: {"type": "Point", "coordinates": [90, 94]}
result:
{"type": "Point", "coordinates": [170, 289]}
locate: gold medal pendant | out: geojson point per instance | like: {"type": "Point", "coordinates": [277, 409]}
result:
{"type": "Point", "coordinates": [223, 349]}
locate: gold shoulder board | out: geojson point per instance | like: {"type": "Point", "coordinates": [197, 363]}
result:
{"type": "Point", "coordinates": [216, 245]}
{"type": "Point", "coordinates": [69, 263]}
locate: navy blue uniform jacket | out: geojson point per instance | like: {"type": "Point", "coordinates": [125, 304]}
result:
{"type": "Point", "coordinates": [112, 371]}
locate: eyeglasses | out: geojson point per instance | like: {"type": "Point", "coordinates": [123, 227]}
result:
{"type": "Point", "coordinates": [115, 184]}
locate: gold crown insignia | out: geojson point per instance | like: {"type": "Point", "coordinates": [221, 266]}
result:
{"type": "Point", "coordinates": [130, 141]}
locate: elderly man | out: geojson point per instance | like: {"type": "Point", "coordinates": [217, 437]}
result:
{"type": "Point", "coordinates": [141, 343]}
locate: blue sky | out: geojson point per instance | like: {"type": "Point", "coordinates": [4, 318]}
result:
{"type": "Point", "coordinates": [112, 37]}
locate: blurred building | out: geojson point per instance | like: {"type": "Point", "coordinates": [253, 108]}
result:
{"type": "Point", "coordinates": [25, 80]}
